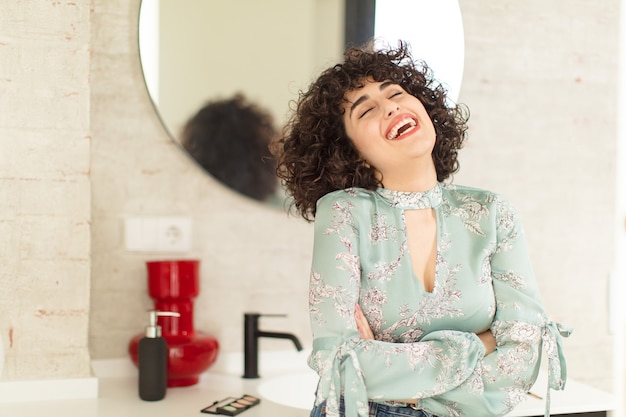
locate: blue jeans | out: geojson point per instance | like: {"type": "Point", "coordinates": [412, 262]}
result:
{"type": "Point", "coordinates": [376, 410]}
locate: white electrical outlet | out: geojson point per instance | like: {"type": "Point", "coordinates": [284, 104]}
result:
{"type": "Point", "coordinates": [158, 234]}
{"type": "Point", "coordinates": [173, 234]}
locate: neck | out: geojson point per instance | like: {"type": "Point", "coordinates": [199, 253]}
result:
{"type": "Point", "coordinates": [413, 179]}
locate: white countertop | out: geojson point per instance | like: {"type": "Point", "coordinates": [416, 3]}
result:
{"type": "Point", "coordinates": [117, 394]}
{"type": "Point", "coordinates": [117, 397]}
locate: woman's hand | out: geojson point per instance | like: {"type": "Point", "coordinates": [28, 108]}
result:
{"type": "Point", "coordinates": [488, 340]}
{"type": "Point", "coordinates": [362, 325]}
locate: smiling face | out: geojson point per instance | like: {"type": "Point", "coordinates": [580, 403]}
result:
{"type": "Point", "coordinates": [392, 131]}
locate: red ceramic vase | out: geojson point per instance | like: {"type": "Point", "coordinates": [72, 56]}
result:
{"type": "Point", "coordinates": [173, 285]}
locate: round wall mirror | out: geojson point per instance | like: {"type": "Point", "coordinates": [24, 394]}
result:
{"type": "Point", "coordinates": [227, 71]}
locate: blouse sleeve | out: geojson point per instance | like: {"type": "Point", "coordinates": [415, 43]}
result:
{"type": "Point", "coordinates": [370, 369]}
{"type": "Point", "coordinates": [520, 328]}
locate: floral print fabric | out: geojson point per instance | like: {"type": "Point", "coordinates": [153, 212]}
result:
{"type": "Point", "coordinates": [425, 345]}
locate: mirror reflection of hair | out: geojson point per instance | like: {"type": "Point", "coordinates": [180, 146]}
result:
{"type": "Point", "coordinates": [229, 138]}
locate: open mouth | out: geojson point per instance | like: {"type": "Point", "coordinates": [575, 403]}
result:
{"type": "Point", "coordinates": [402, 127]}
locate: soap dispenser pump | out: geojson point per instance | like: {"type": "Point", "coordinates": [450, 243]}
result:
{"type": "Point", "coordinates": [152, 359]}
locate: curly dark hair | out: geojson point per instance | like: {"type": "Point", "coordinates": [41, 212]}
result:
{"type": "Point", "coordinates": [230, 139]}
{"type": "Point", "coordinates": [316, 157]}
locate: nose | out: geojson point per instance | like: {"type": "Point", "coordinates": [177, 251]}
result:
{"type": "Point", "coordinates": [391, 108]}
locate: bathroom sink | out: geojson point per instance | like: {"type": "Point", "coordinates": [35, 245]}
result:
{"type": "Point", "coordinates": [295, 390]}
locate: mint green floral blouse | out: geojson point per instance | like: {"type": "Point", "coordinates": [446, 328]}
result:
{"type": "Point", "coordinates": [425, 345]}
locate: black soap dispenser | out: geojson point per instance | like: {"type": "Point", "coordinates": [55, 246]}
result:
{"type": "Point", "coordinates": [152, 359]}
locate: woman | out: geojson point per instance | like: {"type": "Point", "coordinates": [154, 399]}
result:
{"type": "Point", "coordinates": [422, 296]}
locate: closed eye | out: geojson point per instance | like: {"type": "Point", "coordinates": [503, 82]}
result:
{"type": "Point", "coordinates": [365, 112]}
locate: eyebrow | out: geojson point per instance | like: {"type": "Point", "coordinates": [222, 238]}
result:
{"type": "Point", "coordinates": [364, 97]}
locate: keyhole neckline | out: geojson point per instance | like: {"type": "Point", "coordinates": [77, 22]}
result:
{"type": "Point", "coordinates": [408, 200]}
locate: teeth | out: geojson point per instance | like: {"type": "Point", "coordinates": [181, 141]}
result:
{"type": "Point", "coordinates": [393, 133]}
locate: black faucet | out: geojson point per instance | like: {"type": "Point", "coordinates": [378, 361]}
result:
{"type": "Point", "coordinates": [251, 334]}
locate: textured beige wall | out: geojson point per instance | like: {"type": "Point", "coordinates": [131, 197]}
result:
{"type": "Point", "coordinates": [44, 188]}
{"type": "Point", "coordinates": [540, 81]}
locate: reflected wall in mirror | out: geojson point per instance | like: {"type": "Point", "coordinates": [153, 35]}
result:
{"type": "Point", "coordinates": [198, 52]}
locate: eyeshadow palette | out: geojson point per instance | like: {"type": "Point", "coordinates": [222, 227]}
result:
{"type": "Point", "coordinates": [231, 406]}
